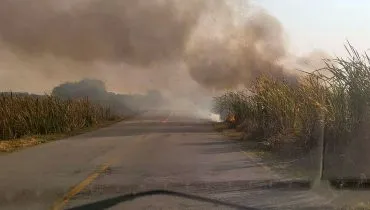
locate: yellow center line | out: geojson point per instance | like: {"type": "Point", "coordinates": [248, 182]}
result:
{"type": "Point", "coordinates": [58, 205]}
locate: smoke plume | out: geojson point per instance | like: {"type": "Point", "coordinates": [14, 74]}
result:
{"type": "Point", "coordinates": [187, 47]}
{"type": "Point", "coordinates": [242, 52]}
{"type": "Point", "coordinates": [133, 31]}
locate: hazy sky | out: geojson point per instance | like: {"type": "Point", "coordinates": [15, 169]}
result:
{"type": "Point", "coordinates": [308, 24]}
{"type": "Point", "coordinates": [324, 24]}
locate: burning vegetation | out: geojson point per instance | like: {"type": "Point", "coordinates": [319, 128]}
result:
{"type": "Point", "coordinates": [193, 49]}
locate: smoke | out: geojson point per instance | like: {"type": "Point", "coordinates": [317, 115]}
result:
{"type": "Point", "coordinates": [186, 49]}
{"type": "Point", "coordinates": [243, 52]}
{"type": "Point", "coordinates": [133, 31]}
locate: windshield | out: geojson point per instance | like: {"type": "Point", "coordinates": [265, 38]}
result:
{"type": "Point", "coordinates": [233, 104]}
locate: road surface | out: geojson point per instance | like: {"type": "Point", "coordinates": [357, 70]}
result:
{"type": "Point", "coordinates": [158, 150]}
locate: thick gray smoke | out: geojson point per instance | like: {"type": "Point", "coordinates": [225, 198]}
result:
{"type": "Point", "coordinates": [140, 32]}
{"type": "Point", "coordinates": [241, 53]}
{"type": "Point", "coordinates": [133, 31]}
{"type": "Point", "coordinates": [187, 47]}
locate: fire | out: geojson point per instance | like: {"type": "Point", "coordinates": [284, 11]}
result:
{"type": "Point", "coordinates": [231, 118]}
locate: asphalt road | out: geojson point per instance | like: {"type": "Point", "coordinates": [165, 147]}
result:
{"type": "Point", "coordinates": [155, 151]}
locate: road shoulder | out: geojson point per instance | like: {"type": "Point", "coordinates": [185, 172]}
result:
{"type": "Point", "coordinates": [9, 146]}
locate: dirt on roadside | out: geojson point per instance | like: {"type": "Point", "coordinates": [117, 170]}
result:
{"type": "Point", "coordinates": [290, 161]}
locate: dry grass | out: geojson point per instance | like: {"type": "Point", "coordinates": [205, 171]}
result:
{"type": "Point", "coordinates": [12, 145]}
{"type": "Point", "coordinates": [281, 112]}
{"type": "Point", "coordinates": [16, 144]}
{"type": "Point", "coordinates": [24, 117]}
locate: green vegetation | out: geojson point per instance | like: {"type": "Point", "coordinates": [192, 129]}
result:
{"type": "Point", "coordinates": [281, 112]}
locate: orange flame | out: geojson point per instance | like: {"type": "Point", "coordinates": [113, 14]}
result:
{"type": "Point", "coordinates": [231, 118]}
